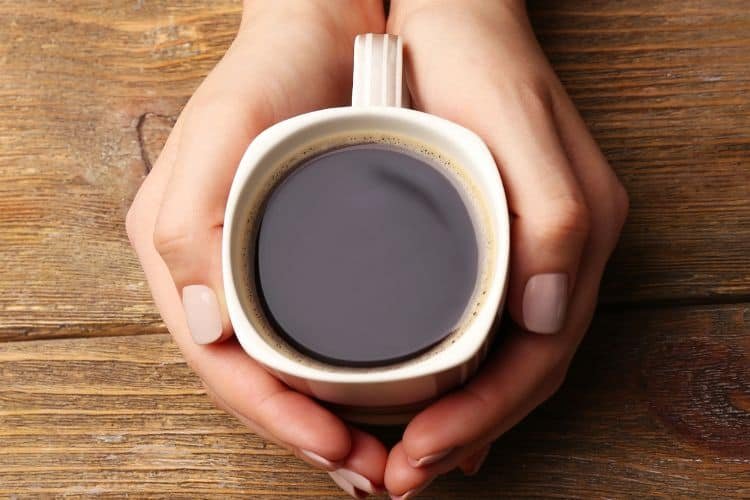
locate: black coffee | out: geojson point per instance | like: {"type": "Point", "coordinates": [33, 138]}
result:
{"type": "Point", "coordinates": [366, 255]}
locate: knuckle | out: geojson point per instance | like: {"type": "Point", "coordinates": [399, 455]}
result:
{"type": "Point", "coordinates": [620, 204]}
{"type": "Point", "coordinates": [534, 95]}
{"type": "Point", "coordinates": [566, 218]}
{"type": "Point", "coordinates": [170, 238]}
{"type": "Point", "coordinates": [131, 222]}
{"type": "Point", "coordinates": [612, 212]}
{"type": "Point", "coordinates": [134, 223]}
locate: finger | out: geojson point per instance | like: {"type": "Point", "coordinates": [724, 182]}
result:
{"type": "Point", "coordinates": [232, 105]}
{"type": "Point", "coordinates": [404, 480]}
{"type": "Point", "coordinates": [219, 125]}
{"type": "Point", "coordinates": [598, 180]}
{"type": "Point", "coordinates": [348, 487]}
{"type": "Point", "coordinates": [496, 397]}
{"type": "Point", "coordinates": [140, 222]}
{"type": "Point", "coordinates": [255, 428]}
{"type": "Point", "coordinates": [362, 472]}
{"type": "Point", "coordinates": [290, 417]}
{"type": "Point", "coordinates": [525, 371]}
{"type": "Point", "coordinates": [141, 217]}
{"type": "Point", "coordinates": [401, 479]}
{"type": "Point", "coordinates": [367, 452]}
{"type": "Point", "coordinates": [550, 215]}
{"type": "Point", "coordinates": [513, 114]}
{"type": "Point", "coordinates": [283, 415]}
{"type": "Point", "coordinates": [517, 378]}
{"type": "Point", "coordinates": [550, 224]}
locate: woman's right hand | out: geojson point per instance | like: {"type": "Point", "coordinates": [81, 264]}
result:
{"type": "Point", "coordinates": [289, 57]}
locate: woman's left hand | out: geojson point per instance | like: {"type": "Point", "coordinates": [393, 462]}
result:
{"type": "Point", "coordinates": [477, 63]}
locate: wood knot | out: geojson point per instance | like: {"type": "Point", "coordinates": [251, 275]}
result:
{"type": "Point", "coordinates": [700, 388]}
{"type": "Point", "coordinates": [153, 130]}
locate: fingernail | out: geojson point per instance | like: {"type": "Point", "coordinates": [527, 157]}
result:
{"type": "Point", "coordinates": [429, 459]}
{"type": "Point", "coordinates": [347, 486]}
{"type": "Point", "coordinates": [412, 493]}
{"type": "Point", "coordinates": [357, 480]}
{"type": "Point", "coordinates": [322, 461]}
{"type": "Point", "coordinates": [202, 313]}
{"type": "Point", "coordinates": [544, 302]}
{"type": "Point", "coordinates": [478, 464]}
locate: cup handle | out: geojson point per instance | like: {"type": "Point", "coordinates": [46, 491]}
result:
{"type": "Point", "coordinates": [378, 71]}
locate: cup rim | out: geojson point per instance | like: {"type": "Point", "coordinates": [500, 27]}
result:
{"type": "Point", "coordinates": [484, 171]}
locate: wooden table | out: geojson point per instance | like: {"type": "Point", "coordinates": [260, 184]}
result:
{"type": "Point", "coordinates": [96, 400]}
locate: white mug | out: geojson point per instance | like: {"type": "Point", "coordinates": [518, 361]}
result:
{"type": "Point", "coordinates": [391, 393]}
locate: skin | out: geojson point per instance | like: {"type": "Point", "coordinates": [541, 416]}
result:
{"type": "Point", "coordinates": [566, 204]}
{"type": "Point", "coordinates": [474, 62]}
{"type": "Point", "coordinates": [175, 221]}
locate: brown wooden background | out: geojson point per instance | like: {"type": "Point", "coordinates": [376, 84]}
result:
{"type": "Point", "coordinates": [96, 400]}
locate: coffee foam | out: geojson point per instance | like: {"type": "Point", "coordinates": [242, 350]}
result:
{"type": "Point", "coordinates": [470, 195]}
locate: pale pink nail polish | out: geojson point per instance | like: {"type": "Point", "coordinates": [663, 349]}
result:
{"type": "Point", "coordinates": [357, 480]}
{"type": "Point", "coordinates": [345, 485]}
{"type": "Point", "coordinates": [322, 461]}
{"type": "Point", "coordinates": [545, 301]}
{"type": "Point", "coordinates": [202, 313]}
{"type": "Point", "coordinates": [429, 459]}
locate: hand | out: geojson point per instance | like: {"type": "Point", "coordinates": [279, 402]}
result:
{"type": "Point", "coordinates": [288, 58]}
{"type": "Point", "coordinates": [477, 63]}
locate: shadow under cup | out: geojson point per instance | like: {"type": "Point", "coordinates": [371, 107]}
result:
{"type": "Point", "coordinates": [391, 392]}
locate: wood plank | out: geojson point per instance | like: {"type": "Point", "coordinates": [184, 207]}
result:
{"type": "Point", "coordinates": [664, 87]}
{"type": "Point", "coordinates": [656, 404]}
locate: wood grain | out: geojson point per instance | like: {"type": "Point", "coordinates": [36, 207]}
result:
{"type": "Point", "coordinates": [87, 90]}
{"type": "Point", "coordinates": [90, 88]}
{"type": "Point", "coordinates": [656, 403]}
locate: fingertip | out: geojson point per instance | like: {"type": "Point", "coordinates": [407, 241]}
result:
{"type": "Point", "coordinates": [317, 460]}
{"type": "Point", "coordinates": [301, 422]}
{"type": "Point", "coordinates": [438, 430]}
{"type": "Point", "coordinates": [203, 314]}
{"type": "Point", "coordinates": [430, 459]}
{"type": "Point", "coordinates": [545, 302]}
{"type": "Point", "coordinates": [401, 479]}
{"type": "Point", "coordinates": [362, 471]}
{"type": "Point", "coordinates": [547, 244]}
{"type": "Point", "coordinates": [367, 456]}
{"type": "Point", "coordinates": [290, 417]}
{"type": "Point", "coordinates": [347, 486]}
{"type": "Point", "coordinates": [538, 303]}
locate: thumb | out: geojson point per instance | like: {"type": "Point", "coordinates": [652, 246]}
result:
{"type": "Point", "coordinates": [551, 220]}
{"type": "Point", "coordinates": [189, 227]}
{"type": "Point", "coordinates": [221, 120]}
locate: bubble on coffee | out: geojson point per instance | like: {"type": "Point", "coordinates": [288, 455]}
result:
{"type": "Point", "coordinates": [364, 251]}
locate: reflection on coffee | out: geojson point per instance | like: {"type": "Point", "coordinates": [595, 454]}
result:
{"type": "Point", "coordinates": [366, 255]}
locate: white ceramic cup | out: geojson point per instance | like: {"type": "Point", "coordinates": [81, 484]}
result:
{"type": "Point", "coordinates": [391, 393]}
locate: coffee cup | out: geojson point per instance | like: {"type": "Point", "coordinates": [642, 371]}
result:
{"type": "Point", "coordinates": [391, 389]}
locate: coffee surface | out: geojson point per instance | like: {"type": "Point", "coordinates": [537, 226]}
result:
{"type": "Point", "coordinates": [366, 255]}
